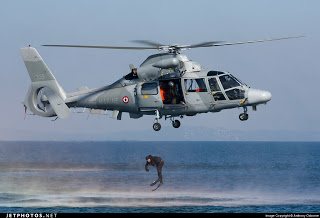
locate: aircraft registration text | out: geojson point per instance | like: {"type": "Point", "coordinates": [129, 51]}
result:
{"type": "Point", "coordinates": [108, 101]}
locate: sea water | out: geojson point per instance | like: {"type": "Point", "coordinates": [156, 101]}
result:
{"type": "Point", "coordinates": [223, 177]}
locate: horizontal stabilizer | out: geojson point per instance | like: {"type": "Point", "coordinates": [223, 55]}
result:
{"type": "Point", "coordinates": [95, 111]}
{"type": "Point", "coordinates": [58, 105]}
{"type": "Point", "coordinates": [82, 88]}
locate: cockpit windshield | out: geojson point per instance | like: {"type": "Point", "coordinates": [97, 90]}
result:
{"type": "Point", "coordinates": [238, 80]}
{"type": "Point", "coordinates": [228, 82]}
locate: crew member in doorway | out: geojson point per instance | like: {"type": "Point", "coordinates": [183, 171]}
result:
{"type": "Point", "coordinates": [174, 92]}
{"type": "Point", "coordinates": [134, 72]}
{"type": "Point", "coordinates": [157, 162]}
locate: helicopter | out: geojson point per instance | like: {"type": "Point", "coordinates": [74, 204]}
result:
{"type": "Point", "coordinates": [166, 85]}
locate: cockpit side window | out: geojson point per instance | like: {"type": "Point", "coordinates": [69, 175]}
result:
{"type": "Point", "coordinates": [228, 82]}
{"type": "Point", "coordinates": [195, 85]}
{"type": "Point", "coordinates": [215, 89]}
{"type": "Point", "coordinates": [235, 94]}
{"type": "Point", "coordinates": [218, 96]}
{"type": "Point", "coordinates": [214, 85]}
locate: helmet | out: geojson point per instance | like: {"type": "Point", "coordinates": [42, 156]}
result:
{"type": "Point", "coordinates": [171, 84]}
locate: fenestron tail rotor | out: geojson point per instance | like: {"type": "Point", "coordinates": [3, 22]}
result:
{"type": "Point", "coordinates": [173, 48]}
{"type": "Point", "coordinates": [42, 100]}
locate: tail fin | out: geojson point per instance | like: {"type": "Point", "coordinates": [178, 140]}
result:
{"type": "Point", "coordinates": [42, 79]}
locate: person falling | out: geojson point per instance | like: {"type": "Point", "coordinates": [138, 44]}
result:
{"type": "Point", "coordinates": [158, 162]}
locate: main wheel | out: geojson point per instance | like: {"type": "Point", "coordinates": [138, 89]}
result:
{"type": "Point", "coordinates": [243, 116]}
{"type": "Point", "coordinates": [156, 126]}
{"type": "Point", "coordinates": [176, 124]}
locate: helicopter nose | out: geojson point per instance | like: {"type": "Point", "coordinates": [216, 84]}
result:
{"type": "Point", "coordinates": [256, 96]}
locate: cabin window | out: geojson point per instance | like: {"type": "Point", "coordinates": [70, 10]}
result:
{"type": "Point", "coordinates": [235, 94]}
{"type": "Point", "coordinates": [228, 82]}
{"type": "Point", "coordinates": [149, 89]}
{"type": "Point", "coordinates": [195, 85]}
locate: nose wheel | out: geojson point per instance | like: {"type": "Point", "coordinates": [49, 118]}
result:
{"type": "Point", "coordinates": [244, 116]}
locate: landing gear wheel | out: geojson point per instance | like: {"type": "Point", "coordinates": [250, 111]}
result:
{"type": "Point", "coordinates": [243, 116]}
{"type": "Point", "coordinates": [156, 126]}
{"type": "Point", "coordinates": [176, 124]}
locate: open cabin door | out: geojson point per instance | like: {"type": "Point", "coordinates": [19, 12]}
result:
{"type": "Point", "coordinates": [149, 96]}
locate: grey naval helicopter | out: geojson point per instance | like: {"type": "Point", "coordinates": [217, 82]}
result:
{"type": "Point", "coordinates": [165, 85]}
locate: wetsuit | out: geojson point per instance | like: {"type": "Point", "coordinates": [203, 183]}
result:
{"type": "Point", "coordinates": [158, 162]}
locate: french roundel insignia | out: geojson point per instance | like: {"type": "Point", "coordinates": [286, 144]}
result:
{"type": "Point", "coordinates": [125, 99]}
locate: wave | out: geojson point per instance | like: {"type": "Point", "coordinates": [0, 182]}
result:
{"type": "Point", "coordinates": [165, 198]}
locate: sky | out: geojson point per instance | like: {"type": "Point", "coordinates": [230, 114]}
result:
{"type": "Point", "coordinates": [289, 69]}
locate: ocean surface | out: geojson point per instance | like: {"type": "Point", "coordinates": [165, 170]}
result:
{"type": "Point", "coordinates": [199, 177]}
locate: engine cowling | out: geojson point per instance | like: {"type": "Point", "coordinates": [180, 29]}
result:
{"type": "Point", "coordinates": [170, 63]}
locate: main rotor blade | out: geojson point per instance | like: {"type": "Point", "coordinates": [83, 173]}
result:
{"type": "Point", "coordinates": [264, 40]}
{"type": "Point", "coordinates": [158, 46]}
{"type": "Point", "coordinates": [105, 47]}
{"type": "Point", "coordinates": [204, 44]}
{"type": "Point", "coordinates": [147, 42]}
